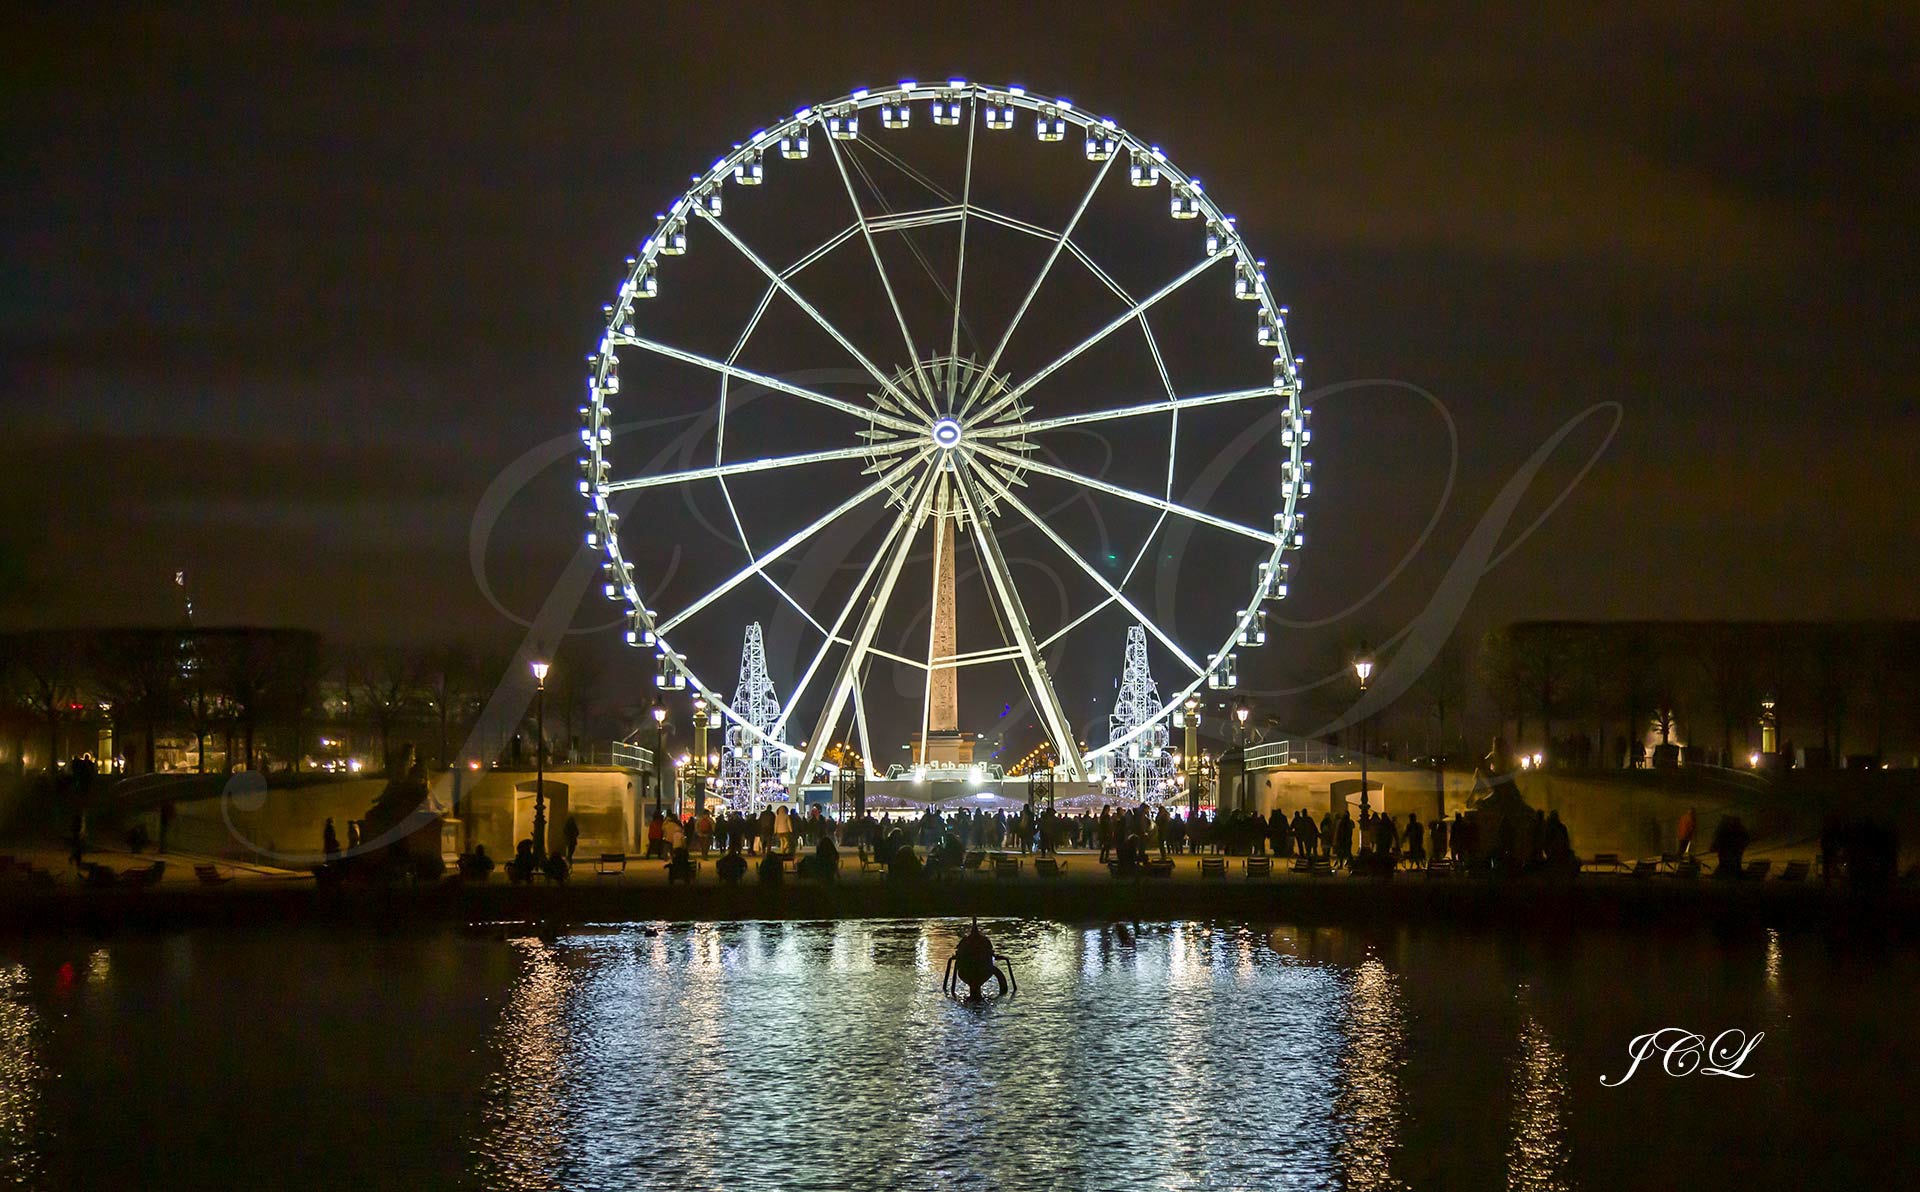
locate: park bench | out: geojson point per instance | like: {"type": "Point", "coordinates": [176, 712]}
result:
{"type": "Point", "coordinates": [1644, 868]}
{"type": "Point", "coordinates": [692, 872]}
{"type": "Point", "coordinates": [974, 860]}
{"type": "Point", "coordinates": [141, 878]}
{"type": "Point", "coordinates": [1439, 867]}
{"type": "Point", "coordinates": [1609, 861]}
{"type": "Point", "coordinates": [868, 862]}
{"type": "Point", "coordinates": [1795, 871]}
{"type": "Point", "coordinates": [1258, 867]}
{"type": "Point", "coordinates": [1686, 868]}
{"type": "Point", "coordinates": [1048, 867]}
{"type": "Point", "coordinates": [1160, 869]}
{"type": "Point", "coordinates": [1211, 867]}
{"type": "Point", "coordinates": [1006, 866]}
{"type": "Point", "coordinates": [210, 875]}
{"type": "Point", "coordinates": [1756, 871]}
{"type": "Point", "coordinates": [610, 865]}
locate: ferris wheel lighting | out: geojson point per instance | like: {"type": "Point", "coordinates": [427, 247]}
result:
{"type": "Point", "coordinates": [984, 443]}
{"type": "Point", "coordinates": [1186, 200]}
{"type": "Point", "coordinates": [1143, 170]}
{"type": "Point", "coordinates": [1248, 280]}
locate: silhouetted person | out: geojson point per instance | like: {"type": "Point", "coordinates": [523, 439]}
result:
{"type": "Point", "coordinates": [571, 834]}
{"type": "Point", "coordinates": [330, 842]}
{"type": "Point", "coordinates": [1730, 839]}
{"type": "Point", "coordinates": [732, 867]}
{"type": "Point", "coordinates": [520, 869]}
{"type": "Point", "coordinates": [680, 866]}
{"type": "Point", "coordinates": [1416, 841]}
{"type": "Point", "coordinates": [773, 868]}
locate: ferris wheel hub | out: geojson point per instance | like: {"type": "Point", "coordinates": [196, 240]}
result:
{"type": "Point", "coordinates": [946, 433]}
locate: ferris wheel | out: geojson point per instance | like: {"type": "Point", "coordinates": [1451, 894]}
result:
{"type": "Point", "coordinates": [959, 417]}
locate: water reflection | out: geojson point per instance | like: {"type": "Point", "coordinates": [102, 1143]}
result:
{"type": "Point", "coordinates": [1369, 1100]}
{"type": "Point", "coordinates": [20, 1077]}
{"type": "Point", "coordinates": [1537, 1157]}
{"type": "Point", "coordinates": [779, 1055]}
{"type": "Point", "coordinates": [526, 1113]}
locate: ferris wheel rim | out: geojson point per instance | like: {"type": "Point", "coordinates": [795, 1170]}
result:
{"type": "Point", "coordinates": [818, 117]}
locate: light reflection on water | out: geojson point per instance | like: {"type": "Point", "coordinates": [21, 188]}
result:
{"type": "Point", "coordinates": [775, 1054]}
{"type": "Point", "coordinates": [20, 1077]}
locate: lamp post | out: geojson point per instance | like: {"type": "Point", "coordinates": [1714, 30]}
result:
{"type": "Point", "coordinates": [659, 711]}
{"type": "Point", "coordinates": [1240, 713]}
{"type": "Point", "coordinates": [1191, 755]}
{"type": "Point", "coordinates": [1363, 667]}
{"type": "Point", "coordinates": [540, 763]}
{"type": "Point", "coordinates": [705, 717]}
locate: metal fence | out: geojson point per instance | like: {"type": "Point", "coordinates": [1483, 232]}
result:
{"type": "Point", "coordinates": [1271, 755]}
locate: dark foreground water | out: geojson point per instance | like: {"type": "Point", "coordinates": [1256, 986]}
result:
{"type": "Point", "coordinates": [821, 1055]}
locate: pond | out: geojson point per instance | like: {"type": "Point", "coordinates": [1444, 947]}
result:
{"type": "Point", "coordinates": [821, 1054]}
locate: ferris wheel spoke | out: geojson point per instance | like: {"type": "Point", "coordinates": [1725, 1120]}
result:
{"type": "Point", "coordinates": [862, 638]}
{"type": "Point", "coordinates": [853, 599]}
{"type": "Point", "coordinates": [960, 268]}
{"type": "Point", "coordinates": [1000, 578]}
{"type": "Point", "coordinates": [774, 463]}
{"type": "Point", "coordinates": [1005, 493]}
{"type": "Point", "coordinates": [873, 247]}
{"type": "Point", "coordinates": [767, 382]}
{"type": "Point", "coordinates": [753, 568]}
{"type": "Point", "coordinates": [1135, 311]}
{"type": "Point", "coordinates": [1060, 242]}
{"type": "Point", "coordinates": [1144, 408]}
{"type": "Point", "coordinates": [812, 312]}
{"type": "Point", "coordinates": [1026, 463]}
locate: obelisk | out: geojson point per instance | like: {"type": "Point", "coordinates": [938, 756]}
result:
{"type": "Point", "coordinates": [944, 744]}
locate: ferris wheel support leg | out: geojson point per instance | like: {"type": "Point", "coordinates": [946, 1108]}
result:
{"type": "Point", "coordinates": [849, 669]}
{"type": "Point", "coordinates": [1021, 507]}
{"type": "Point", "coordinates": [1052, 712]}
{"type": "Point", "coordinates": [860, 726]}
{"type": "Point", "coordinates": [900, 521]}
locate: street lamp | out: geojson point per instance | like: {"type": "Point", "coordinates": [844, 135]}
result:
{"type": "Point", "coordinates": [1363, 667]}
{"type": "Point", "coordinates": [659, 753]}
{"type": "Point", "coordinates": [702, 767]}
{"type": "Point", "coordinates": [540, 763]}
{"type": "Point", "coordinates": [1191, 722]}
{"type": "Point", "coordinates": [1240, 713]}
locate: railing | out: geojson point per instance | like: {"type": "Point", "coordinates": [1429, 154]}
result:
{"type": "Point", "coordinates": [619, 753]}
{"type": "Point", "coordinates": [1271, 755]}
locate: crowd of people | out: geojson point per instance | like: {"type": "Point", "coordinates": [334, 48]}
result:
{"type": "Point", "coordinates": [1536, 841]}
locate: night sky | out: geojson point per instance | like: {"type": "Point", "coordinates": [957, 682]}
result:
{"type": "Point", "coordinates": [283, 295]}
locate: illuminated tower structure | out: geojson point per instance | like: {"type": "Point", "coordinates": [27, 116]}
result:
{"type": "Point", "coordinates": [751, 771]}
{"type": "Point", "coordinates": [1142, 769]}
{"type": "Point", "coordinates": [943, 744]}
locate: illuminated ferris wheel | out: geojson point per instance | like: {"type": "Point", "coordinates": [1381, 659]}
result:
{"type": "Point", "coordinates": [996, 354]}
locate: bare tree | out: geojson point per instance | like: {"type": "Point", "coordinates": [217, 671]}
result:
{"type": "Point", "coordinates": [384, 684]}
{"type": "Point", "coordinates": [138, 671]}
